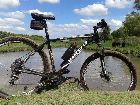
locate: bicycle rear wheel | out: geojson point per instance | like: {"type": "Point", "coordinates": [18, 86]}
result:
{"type": "Point", "coordinates": [13, 48]}
{"type": "Point", "coordinates": [120, 70]}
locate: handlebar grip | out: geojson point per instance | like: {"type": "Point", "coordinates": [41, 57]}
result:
{"type": "Point", "coordinates": [101, 24]}
{"type": "Point", "coordinates": [50, 17]}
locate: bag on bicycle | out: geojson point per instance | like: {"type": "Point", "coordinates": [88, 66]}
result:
{"type": "Point", "coordinates": [68, 53]}
{"type": "Point", "coordinates": [36, 25]}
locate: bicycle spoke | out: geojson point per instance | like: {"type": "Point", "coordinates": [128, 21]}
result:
{"type": "Point", "coordinates": [13, 81]}
{"type": "Point", "coordinates": [117, 76]}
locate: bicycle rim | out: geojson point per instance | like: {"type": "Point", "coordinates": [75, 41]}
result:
{"type": "Point", "coordinates": [120, 71]}
{"type": "Point", "coordinates": [13, 48]}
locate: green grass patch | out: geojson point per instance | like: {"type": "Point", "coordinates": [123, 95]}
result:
{"type": "Point", "coordinates": [14, 47]}
{"type": "Point", "coordinates": [71, 94]}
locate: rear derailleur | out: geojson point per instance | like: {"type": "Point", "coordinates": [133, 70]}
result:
{"type": "Point", "coordinates": [16, 69]}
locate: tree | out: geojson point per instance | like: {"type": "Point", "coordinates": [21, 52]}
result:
{"type": "Point", "coordinates": [137, 4]}
{"type": "Point", "coordinates": [106, 33]}
{"type": "Point", "coordinates": [119, 33]}
{"type": "Point", "coordinates": [132, 24]}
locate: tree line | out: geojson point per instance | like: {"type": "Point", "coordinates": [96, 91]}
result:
{"type": "Point", "coordinates": [4, 34]}
{"type": "Point", "coordinates": [131, 25]}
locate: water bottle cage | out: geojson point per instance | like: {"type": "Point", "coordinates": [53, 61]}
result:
{"type": "Point", "coordinates": [68, 53]}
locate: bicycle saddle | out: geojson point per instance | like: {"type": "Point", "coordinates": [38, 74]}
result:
{"type": "Point", "coordinates": [38, 16]}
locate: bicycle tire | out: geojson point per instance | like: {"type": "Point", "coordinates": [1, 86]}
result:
{"type": "Point", "coordinates": [19, 41]}
{"type": "Point", "coordinates": [98, 84]}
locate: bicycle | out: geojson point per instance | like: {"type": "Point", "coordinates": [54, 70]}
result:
{"type": "Point", "coordinates": [46, 74]}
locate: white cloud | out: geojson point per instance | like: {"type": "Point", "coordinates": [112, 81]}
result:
{"type": "Point", "coordinates": [9, 3]}
{"type": "Point", "coordinates": [17, 14]}
{"type": "Point", "coordinates": [92, 10]}
{"type": "Point", "coordinates": [20, 29]}
{"type": "Point", "coordinates": [116, 23]}
{"type": "Point", "coordinates": [90, 21]}
{"type": "Point", "coordinates": [10, 21]}
{"type": "Point", "coordinates": [13, 29]}
{"type": "Point", "coordinates": [68, 25]}
{"type": "Point", "coordinates": [5, 28]}
{"type": "Point", "coordinates": [64, 30]}
{"type": "Point", "coordinates": [113, 23]}
{"type": "Point", "coordinates": [11, 25]}
{"type": "Point", "coordinates": [118, 3]}
{"type": "Point", "coordinates": [49, 1]}
{"type": "Point", "coordinates": [38, 11]}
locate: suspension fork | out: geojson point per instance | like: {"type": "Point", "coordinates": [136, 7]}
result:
{"type": "Point", "coordinates": [100, 50]}
{"type": "Point", "coordinates": [104, 74]}
{"type": "Point", "coordinates": [102, 55]}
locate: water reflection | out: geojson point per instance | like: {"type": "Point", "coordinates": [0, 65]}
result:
{"type": "Point", "coordinates": [75, 67]}
{"type": "Point", "coordinates": [6, 59]}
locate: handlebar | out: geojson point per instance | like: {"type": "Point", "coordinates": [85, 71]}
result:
{"type": "Point", "coordinates": [101, 24]}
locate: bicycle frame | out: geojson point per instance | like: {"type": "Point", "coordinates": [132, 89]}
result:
{"type": "Point", "coordinates": [50, 78]}
{"type": "Point", "coordinates": [92, 38]}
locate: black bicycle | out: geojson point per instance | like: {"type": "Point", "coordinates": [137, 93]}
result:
{"type": "Point", "coordinates": [22, 71]}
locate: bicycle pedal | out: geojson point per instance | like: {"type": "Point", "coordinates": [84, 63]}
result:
{"type": "Point", "coordinates": [25, 88]}
{"type": "Point", "coordinates": [66, 71]}
{"type": "Point", "coordinates": [11, 82]}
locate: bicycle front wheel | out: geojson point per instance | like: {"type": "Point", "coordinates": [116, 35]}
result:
{"type": "Point", "coordinates": [120, 71]}
{"type": "Point", "coordinates": [12, 49]}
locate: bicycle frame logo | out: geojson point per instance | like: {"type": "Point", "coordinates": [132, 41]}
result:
{"type": "Point", "coordinates": [76, 53]}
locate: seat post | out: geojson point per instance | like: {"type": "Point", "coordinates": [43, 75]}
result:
{"type": "Point", "coordinates": [49, 46]}
{"type": "Point", "coordinates": [47, 34]}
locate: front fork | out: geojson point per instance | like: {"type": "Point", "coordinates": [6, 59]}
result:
{"type": "Point", "coordinates": [102, 61]}
{"type": "Point", "coordinates": [104, 74]}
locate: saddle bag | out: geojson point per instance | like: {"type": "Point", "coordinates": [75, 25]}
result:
{"type": "Point", "coordinates": [36, 25]}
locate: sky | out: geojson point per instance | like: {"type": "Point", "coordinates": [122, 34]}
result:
{"type": "Point", "coordinates": [72, 17]}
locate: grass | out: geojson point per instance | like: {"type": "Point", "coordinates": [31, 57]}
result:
{"type": "Point", "coordinates": [71, 94]}
{"type": "Point", "coordinates": [14, 47]}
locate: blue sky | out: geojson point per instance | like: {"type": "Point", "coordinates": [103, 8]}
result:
{"type": "Point", "coordinates": [73, 17]}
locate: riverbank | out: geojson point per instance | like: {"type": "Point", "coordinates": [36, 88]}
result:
{"type": "Point", "coordinates": [72, 94]}
{"type": "Point", "coordinates": [132, 46]}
